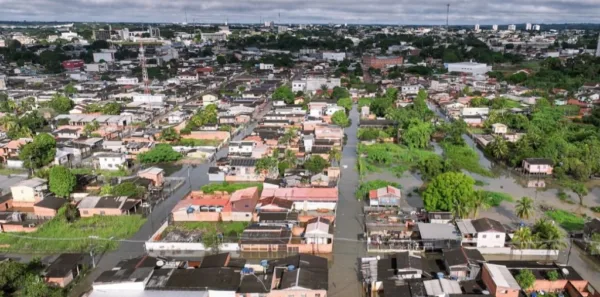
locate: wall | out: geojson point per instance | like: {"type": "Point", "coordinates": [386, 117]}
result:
{"type": "Point", "coordinates": [89, 212]}
{"type": "Point", "coordinates": [515, 252]}
{"type": "Point", "coordinates": [23, 194]}
{"type": "Point", "coordinates": [297, 293]}
{"type": "Point", "coordinates": [61, 282]}
{"type": "Point", "coordinates": [6, 205]}
{"type": "Point", "coordinates": [311, 205]}
{"type": "Point", "coordinates": [494, 290]}
{"type": "Point", "coordinates": [17, 228]}
{"type": "Point", "coordinates": [491, 239]}
{"type": "Point", "coordinates": [44, 212]}
{"type": "Point", "coordinates": [208, 135]}
{"type": "Point", "coordinates": [236, 216]}
{"type": "Point", "coordinates": [205, 216]}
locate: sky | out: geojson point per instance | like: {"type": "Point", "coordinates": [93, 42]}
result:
{"type": "Point", "coordinates": [403, 12]}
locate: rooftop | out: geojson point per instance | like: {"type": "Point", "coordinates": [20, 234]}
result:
{"type": "Point", "coordinates": [502, 276]}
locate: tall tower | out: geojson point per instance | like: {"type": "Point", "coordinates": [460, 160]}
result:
{"type": "Point", "coordinates": [144, 70]}
{"type": "Point", "coordinates": [598, 47]}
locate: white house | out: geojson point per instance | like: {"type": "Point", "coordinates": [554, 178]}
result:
{"type": "Point", "coordinates": [469, 67]}
{"type": "Point", "coordinates": [107, 57]}
{"type": "Point", "coordinates": [472, 111]}
{"type": "Point", "coordinates": [330, 110]}
{"type": "Point", "coordinates": [482, 233]}
{"type": "Point", "coordinates": [177, 117]}
{"type": "Point", "coordinates": [241, 147]}
{"type": "Point", "coordinates": [29, 191]}
{"type": "Point", "coordinates": [96, 67]}
{"type": "Point", "coordinates": [148, 98]}
{"type": "Point", "coordinates": [311, 84]}
{"type": "Point", "coordinates": [317, 231]}
{"type": "Point", "coordinates": [263, 66]}
{"type": "Point", "coordinates": [334, 56]}
{"type": "Point", "coordinates": [209, 99]}
{"type": "Point", "coordinates": [123, 81]}
{"type": "Point", "coordinates": [499, 128]}
{"type": "Point", "coordinates": [111, 161]}
{"type": "Point", "coordinates": [187, 76]}
{"type": "Point", "coordinates": [410, 89]}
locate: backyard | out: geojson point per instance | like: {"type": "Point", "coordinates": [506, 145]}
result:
{"type": "Point", "coordinates": [60, 235]}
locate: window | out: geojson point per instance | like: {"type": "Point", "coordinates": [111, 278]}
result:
{"type": "Point", "coordinates": [102, 212]}
{"type": "Point", "coordinates": [483, 236]}
{"type": "Point", "coordinates": [85, 212]}
{"type": "Point", "coordinates": [504, 291]}
{"type": "Point", "coordinates": [317, 295]}
{"type": "Point", "coordinates": [498, 236]}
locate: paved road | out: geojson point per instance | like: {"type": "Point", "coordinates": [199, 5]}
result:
{"type": "Point", "coordinates": [344, 273]}
{"type": "Point", "coordinates": [135, 246]}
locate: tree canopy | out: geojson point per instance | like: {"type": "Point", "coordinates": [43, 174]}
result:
{"type": "Point", "coordinates": [316, 164]}
{"type": "Point", "coordinates": [159, 154]}
{"type": "Point", "coordinates": [284, 93]}
{"type": "Point", "coordinates": [40, 152]}
{"type": "Point", "coordinates": [340, 118]}
{"type": "Point", "coordinates": [61, 181]}
{"type": "Point", "coordinates": [449, 191]}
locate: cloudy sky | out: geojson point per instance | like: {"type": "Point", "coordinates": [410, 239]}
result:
{"type": "Point", "coordinates": [433, 12]}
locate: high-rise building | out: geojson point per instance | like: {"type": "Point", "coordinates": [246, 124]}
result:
{"type": "Point", "coordinates": [102, 34]}
{"type": "Point", "coordinates": [536, 27]}
{"type": "Point", "coordinates": [512, 28]}
{"type": "Point", "coordinates": [476, 27]}
{"type": "Point", "coordinates": [528, 26]}
{"type": "Point", "coordinates": [494, 27]}
{"type": "Point", "coordinates": [598, 47]}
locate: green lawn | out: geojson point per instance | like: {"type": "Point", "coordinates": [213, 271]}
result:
{"type": "Point", "coordinates": [58, 235]}
{"type": "Point", "coordinates": [513, 104]}
{"type": "Point", "coordinates": [364, 102]}
{"type": "Point", "coordinates": [465, 158]}
{"type": "Point", "coordinates": [495, 198]}
{"type": "Point", "coordinates": [569, 221]}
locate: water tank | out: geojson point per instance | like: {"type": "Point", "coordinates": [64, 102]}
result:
{"type": "Point", "coordinates": [291, 267]}
{"type": "Point", "coordinates": [190, 210]}
{"type": "Point", "coordinates": [565, 271]}
{"type": "Point", "coordinates": [440, 275]}
{"type": "Point", "coordinates": [264, 263]}
{"type": "Point", "coordinates": [485, 292]}
{"type": "Point", "coordinates": [160, 263]}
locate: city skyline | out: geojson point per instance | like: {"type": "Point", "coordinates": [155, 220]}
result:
{"type": "Point", "coordinates": [403, 12]}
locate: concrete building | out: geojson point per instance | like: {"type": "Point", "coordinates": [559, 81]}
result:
{"type": "Point", "coordinates": [381, 62]}
{"type": "Point", "coordinates": [333, 56]}
{"type": "Point", "coordinates": [111, 161]}
{"type": "Point", "coordinates": [494, 27]}
{"type": "Point", "coordinates": [598, 46]}
{"type": "Point", "coordinates": [217, 36]}
{"type": "Point", "coordinates": [96, 67]}
{"type": "Point", "coordinates": [528, 26]}
{"type": "Point", "coordinates": [101, 34]}
{"type": "Point", "coordinates": [512, 28]}
{"type": "Point", "coordinates": [499, 281]}
{"type": "Point", "coordinates": [107, 56]}
{"type": "Point", "coordinates": [263, 66]}
{"type": "Point", "coordinates": [148, 98]}
{"type": "Point", "coordinates": [537, 27]}
{"type": "Point", "coordinates": [311, 84]}
{"type": "Point", "coordinates": [123, 81]}
{"type": "Point", "coordinates": [2, 82]}
{"type": "Point", "coordinates": [482, 233]}
{"type": "Point", "coordinates": [477, 27]}
{"type": "Point", "coordinates": [469, 67]}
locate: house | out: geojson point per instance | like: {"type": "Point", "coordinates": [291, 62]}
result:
{"type": "Point", "coordinates": [132, 274]}
{"type": "Point", "coordinates": [386, 196]}
{"type": "Point", "coordinates": [442, 287]}
{"type": "Point", "coordinates": [472, 111]}
{"type": "Point", "coordinates": [499, 128]}
{"type": "Point", "coordinates": [538, 166]}
{"type": "Point", "coordinates": [62, 271]}
{"type": "Point", "coordinates": [473, 120]}
{"type": "Point", "coordinates": [67, 133]}
{"type": "Point", "coordinates": [318, 231]}
{"type": "Point", "coordinates": [499, 281]}
{"type": "Point", "coordinates": [49, 206]}
{"type": "Point", "coordinates": [28, 192]}
{"type": "Point", "coordinates": [437, 236]}
{"type": "Point", "coordinates": [274, 205]}
{"type": "Point", "coordinates": [241, 205]}
{"type": "Point", "coordinates": [107, 206]}
{"type": "Point", "coordinates": [305, 198]}
{"type": "Point", "coordinates": [200, 207]}
{"type": "Point", "coordinates": [111, 161]}
{"type": "Point", "coordinates": [265, 238]}
{"type": "Point", "coordinates": [440, 217]}
{"type": "Point", "coordinates": [402, 265]}
{"type": "Point", "coordinates": [155, 174]}
{"type": "Point", "coordinates": [243, 148]}
{"type": "Point", "coordinates": [482, 233]}
{"type": "Point", "coordinates": [462, 263]}
{"type": "Point", "coordinates": [177, 117]}
{"type": "Point", "coordinates": [410, 89]}
{"type": "Point", "coordinates": [299, 275]}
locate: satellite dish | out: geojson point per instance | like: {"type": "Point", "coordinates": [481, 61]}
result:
{"type": "Point", "coordinates": [160, 263]}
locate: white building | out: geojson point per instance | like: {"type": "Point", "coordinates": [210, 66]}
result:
{"type": "Point", "coordinates": [410, 89]}
{"type": "Point", "coordinates": [187, 76]}
{"type": "Point", "coordinates": [512, 28]}
{"type": "Point", "coordinates": [263, 66]}
{"type": "Point", "coordinates": [96, 67]}
{"type": "Point", "coordinates": [217, 36]}
{"type": "Point", "coordinates": [2, 82]}
{"type": "Point", "coordinates": [537, 27]}
{"type": "Point", "coordinates": [312, 84]}
{"type": "Point", "coordinates": [477, 27]}
{"type": "Point", "coordinates": [107, 57]}
{"type": "Point", "coordinates": [469, 67]}
{"type": "Point", "coordinates": [177, 117]}
{"type": "Point", "coordinates": [209, 99]}
{"type": "Point", "coordinates": [472, 111]}
{"type": "Point", "coordinates": [124, 81]}
{"type": "Point", "coordinates": [241, 147]}
{"type": "Point", "coordinates": [494, 27]}
{"type": "Point", "coordinates": [528, 26]}
{"type": "Point", "coordinates": [334, 56]}
{"type": "Point", "coordinates": [148, 98]}
{"type": "Point", "coordinates": [317, 231]}
{"type": "Point", "coordinates": [111, 161]}
{"type": "Point", "coordinates": [483, 233]}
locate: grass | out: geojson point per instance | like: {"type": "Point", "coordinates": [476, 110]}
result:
{"type": "Point", "coordinates": [59, 235]}
{"type": "Point", "coordinates": [464, 157]}
{"type": "Point", "coordinates": [105, 173]}
{"type": "Point", "coordinates": [364, 102]}
{"type": "Point", "coordinates": [9, 171]}
{"type": "Point", "coordinates": [394, 157]}
{"type": "Point", "coordinates": [229, 187]}
{"type": "Point", "coordinates": [513, 104]}
{"type": "Point", "coordinates": [232, 229]}
{"type": "Point", "coordinates": [474, 130]}
{"type": "Point", "coordinates": [480, 183]}
{"type": "Point", "coordinates": [495, 198]}
{"type": "Point", "coordinates": [364, 188]}
{"type": "Point", "coordinates": [567, 220]}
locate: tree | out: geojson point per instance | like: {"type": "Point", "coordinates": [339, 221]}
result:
{"type": "Point", "coordinates": [433, 166]}
{"type": "Point", "coordinates": [339, 93]}
{"type": "Point", "coordinates": [525, 279]}
{"type": "Point", "coordinates": [595, 244]}
{"type": "Point", "coordinates": [340, 118]}
{"type": "Point", "coordinates": [284, 93]}
{"type": "Point", "coordinates": [160, 153]}
{"type": "Point", "coordinates": [221, 60]}
{"type": "Point", "coordinates": [391, 93]}
{"type": "Point", "coordinates": [523, 238]}
{"type": "Point", "coordinates": [315, 164]}
{"type": "Point", "coordinates": [450, 191]}
{"type": "Point", "coordinates": [40, 152]}
{"type": "Point", "coordinates": [70, 89]}
{"type": "Point", "coordinates": [548, 235]}
{"type": "Point", "coordinates": [266, 165]}
{"type": "Point", "coordinates": [498, 148]}
{"type": "Point", "coordinates": [290, 157]}
{"type": "Point", "coordinates": [457, 129]}
{"type": "Point", "coordinates": [345, 103]}
{"type": "Point", "coordinates": [91, 127]}
{"type": "Point", "coordinates": [61, 181]}
{"type": "Point", "coordinates": [524, 208]}
{"type": "Point", "coordinates": [334, 156]}
{"type": "Point", "coordinates": [61, 104]}
{"type": "Point", "coordinates": [128, 189]}
{"type": "Point", "coordinates": [418, 134]}
{"type": "Point", "coordinates": [169, 134]}
{"type": "Point", "coordinates": [99, 44]}
{"type": "Point", "coordinates": [480, 202]}
{"type": "Point", "coordinates": [552, 275]}
{"type": "Point", "coordinates": [579, 189]}
{"type": "Point", "coordinates": [112, 108]}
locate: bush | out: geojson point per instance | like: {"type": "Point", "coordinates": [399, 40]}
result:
{"type": "Point", "coordinates": [160, 153]}
{"type": "Point", "coordinates": [495, 198]}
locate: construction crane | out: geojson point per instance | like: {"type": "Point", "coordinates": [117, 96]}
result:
{"type": "Point", "coordinates": [144, 70]}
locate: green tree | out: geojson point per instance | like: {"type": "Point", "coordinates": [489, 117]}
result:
{"type": "Point", "coordinates": [339, 93]}
{"type": "Point", "coordinates": [40, 152]}
{"type": "Point", "coordinates": [284, 93]}
{"type": "Point", "coordinates": [456, 130]}
{"type": "Point", "coordinates": [315, 164]}
{"type": "Point", "coordinates": [480, 202]}
{"type": "Point", "coordinates": [548, 235]}
{"type": "Point", "coordinates": [418, 134]}
{"type": "Point", "coordinates": [128, 189]}
{"type": "Point", "coordinates": [70, 89]}
{"type": "Point", "coordinates": [579, 189]}
{"type": "Point", "coordinates": [340, 118]}
{"type": "Point", "coordinates": [595, 244]}
{"type": "Point", "coordinates": [524, 208]}
{"type": "Point", "coordinates": [91, 127]}
{"type": "Point", "coordinates": [221, 60]}
{"type": "Point", "coordinates": [61, 104]}
{"type": "Point", "coordinates": [552, 275]}
{"type": "Point", "coordinates": [290, 157]}
{"type": "Point", "coordinates": [169, 134]}
{"type": "Point", "coordinates": [266, 165]}
{"type": "Point", "coordinates": [498, 148]}
{"type": "Point", "coordinates": [449, 191]}
{"type": "Point", "coordinates": [61, 181]}
{"type": "Point", "coordinates": [523, 238]}
{"type": "Point", "coordinates": [525, 279]}
{"type": "Point", "coordinates": [112, 108]}
{"type": "Point", "coordinates": [345, 103]}
{"type": "Point", "coordinates": [159, 154]}
{"type": "Point", "coordinates": [334, 156]}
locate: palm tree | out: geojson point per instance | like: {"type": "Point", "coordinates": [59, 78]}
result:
{"type": "Point", "coordinates": [523, 238]}
{"type": "Point", "coordinates": [8, 122]}
{"type": "Point", "coordinates": [547, 235]}
{"type": "Point", "coordinates": [479, 203]}
{"type": "Point", "coordinates": [498, 148]}
{"type": "Point", "coordinates": [460, 209]}
{"type": "Point", "coordinates": [524, 208]}
{"type": "Point", "coordinates": [334, 155]}
{"type": "Point", "coordinates": [290, 157]}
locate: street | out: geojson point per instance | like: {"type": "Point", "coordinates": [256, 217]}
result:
{"type": "Point", "coordinates": [344, 273]}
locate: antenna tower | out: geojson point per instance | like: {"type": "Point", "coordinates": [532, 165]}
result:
{"type": "Point", "coordinates": [144, 70]}
{"type": "Point", "coordinates": [447, 27]}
